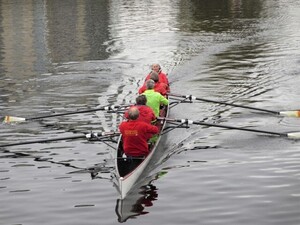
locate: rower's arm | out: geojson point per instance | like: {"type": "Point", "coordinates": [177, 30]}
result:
{"type": "Point", "coordinates": [164, 101]}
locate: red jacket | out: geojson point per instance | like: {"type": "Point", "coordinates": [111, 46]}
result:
{"type": "Point", "coordinates": [146, 113]}
{"type": "Point", "coordinates": [162, 88]}
{"type": "Point", "coordinates": [162, 78]}
{"type": "Point", "coordinates": [135, 135]}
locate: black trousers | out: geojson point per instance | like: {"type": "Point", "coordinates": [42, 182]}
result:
{"type": "Point", "coordinates": [133, 162]}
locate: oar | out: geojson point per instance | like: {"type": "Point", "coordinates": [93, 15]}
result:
{"type": "Point", "coordinates": [295, 113]}
{"type": "Point", "coordinates": [90, 136]}
{"type": "Point", "coordinates": [292, 135]}
{"type": "Point", "coordinates": [8, 119]}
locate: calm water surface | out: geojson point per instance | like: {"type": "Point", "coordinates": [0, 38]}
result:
{"type": "Point", "coordinates": [58, 56]}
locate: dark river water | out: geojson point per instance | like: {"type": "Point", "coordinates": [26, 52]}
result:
{"type": "Point", "coordinates": [60, 56]}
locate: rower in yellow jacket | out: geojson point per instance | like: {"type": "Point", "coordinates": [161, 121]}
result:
{"type": "Point", "coordinates": [154, 99]}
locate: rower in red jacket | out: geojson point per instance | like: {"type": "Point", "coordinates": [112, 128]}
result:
{"type": "Point", "coordinates": [135, 135]}
{"type": "Point", "coordinates": [146, 113]}
{"type": "Point", "coordinates": [159, 87]}
{"type": "Point", "coordinates": [162, 76]}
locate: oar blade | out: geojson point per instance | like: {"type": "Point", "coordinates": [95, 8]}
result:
{"type": "Point", "coordinates": [293, 135]}
{"type": "Point", "coordinates": [295, 113]}
{"type": "Point", "coordinates": [12, 119]}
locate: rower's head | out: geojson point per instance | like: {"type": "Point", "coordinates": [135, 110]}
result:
{"type": "Point", "coordinates": [133, 113]}
{"type": "Point", "coordinates": [141, 100]}
{"type": "Point", "coordinates": [150, 84]}
{"type": "Point", "coordinates": [156, 67]}
{"type": "Point", "coordinates": [154, 76]}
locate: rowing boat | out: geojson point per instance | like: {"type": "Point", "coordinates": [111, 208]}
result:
{"type": "Point", "coordinates": [127, 176]}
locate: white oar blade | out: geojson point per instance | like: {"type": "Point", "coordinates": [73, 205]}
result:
{"type": "Point", "coordinates": [11, 119]}
{"type": "Point", "coordinates": [293, 135]}
{"type": "Point", "coordinates": [290, 113]}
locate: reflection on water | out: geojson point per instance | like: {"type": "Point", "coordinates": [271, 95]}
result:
{"type": "Point", "coordinates": [135, 204]}
{"type": "Point", "coordinates": [77, 31]}
{"type": "Point", "coordinates": [219, 16]}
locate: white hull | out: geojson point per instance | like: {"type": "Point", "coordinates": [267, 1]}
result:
{"type": "Point", "coordinates": [127, 182]}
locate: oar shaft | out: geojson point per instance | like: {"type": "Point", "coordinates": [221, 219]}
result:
{"type": "Point", "coordinates": [43, 141]}
{"type": "Point", "coordinates": [190, 97]}
{"type": "Point", "coordinates": [186, 121]}
{"type": "Point", "coordinates": [91, 136]}
{"type": "Point", "coordinates": [62, 114]}
{"type": "Point", "coordinates": [290, 135]}
{"type": "Point", "coordinates": [240, 106]}
{"type": "Point", "coordinates": [75, 112]}
{"type": "Point", "coordinates": [239, 128]}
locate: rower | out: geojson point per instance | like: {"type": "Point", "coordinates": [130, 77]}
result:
{"type": "Point", "coordinates": [135, 135]}
{"type": "Point", "coordinates": [160, 87]}
{"type": "Point", "coordinates": [154, 99]}
{"type": "Point", "coordinates": [146, 113]}
{"type": "Point", "coordinates": [162, 76]}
